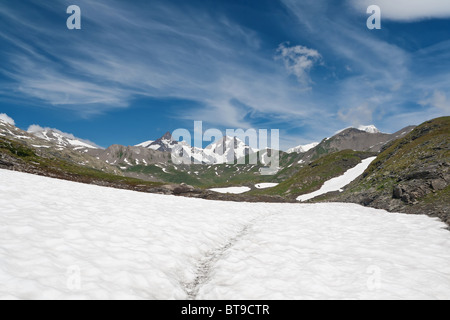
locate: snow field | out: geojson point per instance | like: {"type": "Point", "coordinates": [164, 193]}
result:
{"type": "Point", "coordinates": [126, 244]}
{"type": "Point", "coordinates": [64, 240]}
{"type": "Point", "coordinates": [335, 251]}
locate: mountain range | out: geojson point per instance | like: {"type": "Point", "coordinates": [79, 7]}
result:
{"type": "Point", "coordinates": [410, 171]}
{"type": "Point", "coordinates": [212, 166]}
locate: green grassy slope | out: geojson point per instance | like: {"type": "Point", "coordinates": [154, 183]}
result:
{"type": "Point", "coordinates": [313, 176]}
{"type": "Point", "coordinates": [426, 146]}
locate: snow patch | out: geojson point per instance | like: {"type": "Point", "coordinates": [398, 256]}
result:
{"type": "Point", "coordinates": [145, 144]}
{"type": "Point", "coordinates": [336, 184]}
{"type": "Point", "coordinates": [155, 147]}
{"type": "Point", "coordinates": [265, 185]}
{"type": "Point", "coordinates": [36, 146]}
{"type": "Point", "coordinates": [303, 148]}
{"type": "Point", "coordinates": [231, 190]}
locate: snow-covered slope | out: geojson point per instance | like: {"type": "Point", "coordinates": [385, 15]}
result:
{"type": "Point", "coordinates": [303, 148]}
{"type": "Point", "coordinates": [336, 184]}
{"type": "Point", "coordinates": [60, 139]}
{"type": "Point", "coordinates": [145, 144]}
{"type": "Point", "coordinates": [63, 240]}
{"type": "Point", "coordinates": [8, 130]}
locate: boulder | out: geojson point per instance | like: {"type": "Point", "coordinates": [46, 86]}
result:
{"type": "Point", "coordinates": [406, 198]}
{"type": "Point", "coordinates": [398, 192]}
{"type": "Point", "coordinates": [438, 184]}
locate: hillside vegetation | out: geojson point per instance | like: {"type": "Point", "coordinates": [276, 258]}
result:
{"type": "Point", "coordinates": [411, 174]}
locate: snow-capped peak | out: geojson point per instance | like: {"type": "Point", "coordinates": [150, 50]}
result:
{"type": "Point", "coordinates": [220, 151]}
{"type": "Point", "coordinates": [303, 148]}
{"type": "Point", "coordinates": [164, 144]}
{"type": "Point", "coordinates": [227, 149]}
{"type": "Point", "coordinates": [370, 129]}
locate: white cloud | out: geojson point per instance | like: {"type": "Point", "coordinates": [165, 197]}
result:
{"type": "Point", "coordinates": [407, 10]}
{"type": "Point", "coordinates": [298, 60]}
{"type": "Point", "coordinates": [437, 100]}
{"type": "Point", "coordinates": [5, 118]}
{"type": "Point", "coordinates": [34, 128]}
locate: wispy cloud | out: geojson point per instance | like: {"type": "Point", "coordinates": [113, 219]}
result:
{"type": "Point", "coordinates": [437, 100]}
{"type": "Point", "coordinates": [357, 115]}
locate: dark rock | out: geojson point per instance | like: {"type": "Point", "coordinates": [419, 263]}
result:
{"type": "Point", "coordinates": [182, 189]}
{"type": "Point", "coordinates": [422, 175]}
{"type": "Point", "coordinates": [366, 201]}
{"type": "Point", "coordinates": [406, 198]}
{"type": "Point", "coordinates": [398, 192]}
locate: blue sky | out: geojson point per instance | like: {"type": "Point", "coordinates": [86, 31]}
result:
{"type": "Point", "coordinates": [137, 69]}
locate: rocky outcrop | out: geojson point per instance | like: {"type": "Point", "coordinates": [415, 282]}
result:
{"type": "Point", "coordinates": [129, 156]}
{"type": "Point", "coordinates": [417, 185]}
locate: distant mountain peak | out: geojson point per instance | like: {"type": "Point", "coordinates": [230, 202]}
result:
{"type": "Point", "coordinates": [164, 144]}
{"type": "Point", "coordinates": [167, 136]}
{"type": "Point", "coordinates": [370, 129]}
